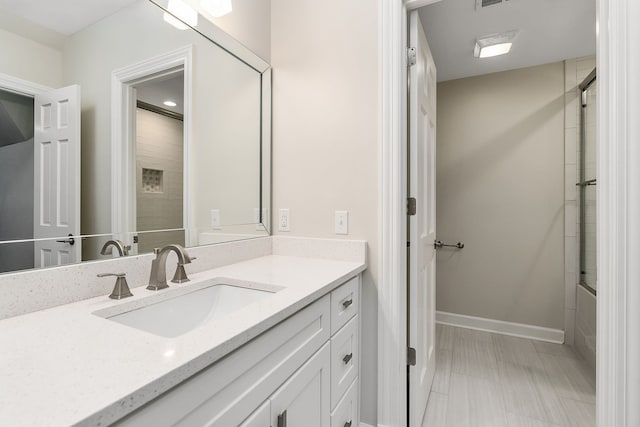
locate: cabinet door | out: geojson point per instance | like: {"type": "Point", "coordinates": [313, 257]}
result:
{"type": "Point", "coordinates": [260, 417]}
{"type": "Point", "coordinates": [303, 401]}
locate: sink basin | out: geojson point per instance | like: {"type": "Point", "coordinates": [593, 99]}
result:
{"type": "Point", "coordinates": [180, 314]}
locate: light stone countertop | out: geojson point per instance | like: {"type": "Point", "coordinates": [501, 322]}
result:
{"type": "Point", "coordinates": [65, 365]}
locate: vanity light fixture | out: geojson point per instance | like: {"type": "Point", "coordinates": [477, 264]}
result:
{"type": "Point", "coordinates": [181, 15]}
{"type": "Point", "coordinates": [494, 45]}
{"type": "Point", "coordinates": [169, 103]}
{"type": "Point", "coordinates": [217, 8]}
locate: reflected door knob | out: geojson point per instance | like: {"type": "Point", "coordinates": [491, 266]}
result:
{"type": "Point", "coordinates": [70, 241]}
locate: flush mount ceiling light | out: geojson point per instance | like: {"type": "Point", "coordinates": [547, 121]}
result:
{"type": "Point", "coordinates": [494, 45]}
{"type": "Point", "coordinates": [169, 103]}
{"type": "Point", "coordinates": [217, 8]}
{"type": "Point", "coordinates": [181, 15]}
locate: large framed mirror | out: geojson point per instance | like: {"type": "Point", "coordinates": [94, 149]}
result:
{"type": "Point", "coordinates": [127, 121]}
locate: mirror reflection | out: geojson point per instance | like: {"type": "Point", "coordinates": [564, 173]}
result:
{"type": "Point", "coordinates": [115, 124]}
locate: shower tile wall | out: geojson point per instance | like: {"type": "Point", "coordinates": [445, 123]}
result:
{"type": "Point", "coordinates": [159, 153]}
{"type": "Point", "coordinates": [576, 70]}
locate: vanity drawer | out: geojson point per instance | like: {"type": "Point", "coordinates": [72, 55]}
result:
{"type": "Point", "coordinates": [346, 413]}
{"type": "Point", "coordinates": [345, 301]}
{"type": "Point", "coordinates": [345, 357]}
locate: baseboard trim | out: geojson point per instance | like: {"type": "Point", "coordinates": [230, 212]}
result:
{"type": "Point", "coordinates": [501, 327]}
{"type": "Point", "coordinates": [365, 425]}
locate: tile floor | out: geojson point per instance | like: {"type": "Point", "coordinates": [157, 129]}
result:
{"type": "Point", "coordinates": [485, 379]}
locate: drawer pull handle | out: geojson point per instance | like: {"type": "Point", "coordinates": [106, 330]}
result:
{"type": "Point", "coordinates": [347, 358]}
{"type": "Point", "coordinates": [282, 419]}
{"type": "Point", "coordinates": [347, 303]}
{"type": "Point", "coordinates": [347, 424]}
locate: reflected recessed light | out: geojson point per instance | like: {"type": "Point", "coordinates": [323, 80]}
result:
{"type": "Point", "coordinates": [169, 103]}
{"type": "Point", "coordinates": [497, 44]}
{"type": "Point", "coordinates": [181, 15]}
{"type": "Point", "coordinates": [217, 8]}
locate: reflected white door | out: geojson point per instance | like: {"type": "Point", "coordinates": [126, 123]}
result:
{"type": "Point", "coordinates": [57, 177]}
{"type": "Point", "coordinates": [422, 225]}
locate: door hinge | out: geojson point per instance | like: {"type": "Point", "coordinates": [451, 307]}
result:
{"type": "Point", "coordinates": [411, 206]}
{"type": "Point", "coordinates": [411, 56]}
{"type": "Point", "coordinates": [411, 356]}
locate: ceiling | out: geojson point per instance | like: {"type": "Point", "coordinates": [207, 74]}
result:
{"type": "Point", "coordinates": [64, 16]}
{"type": "Point", "coordinates": [167, 88]}
{"type": "Point", "coordinates": [548, 31]}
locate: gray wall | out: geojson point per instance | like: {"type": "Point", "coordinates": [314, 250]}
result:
{"type": "Point", "coordinates": [16, 205]}
{"type": "Point", "coordinates": [16, 180]}
{"type": "Point", "coordinates": [500, 189]}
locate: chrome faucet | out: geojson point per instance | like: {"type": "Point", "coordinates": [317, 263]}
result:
{"type": "Point", "coordinates": [158, 279]}
{"type": "Point", "coordinates": [118, 245]}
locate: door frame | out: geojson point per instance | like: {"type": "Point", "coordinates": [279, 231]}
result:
{"type": "Point", "coordinates": [123, 153]}
{"type": "Point", "coordinates": [618, 212]}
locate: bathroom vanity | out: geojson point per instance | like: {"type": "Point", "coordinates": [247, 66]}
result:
{"type": "Point", "coordinates": [302, 372]}
{"type": "Point", "coordinates": [290, 358]}
{"type": "Point", "coordinates": [267, 330]}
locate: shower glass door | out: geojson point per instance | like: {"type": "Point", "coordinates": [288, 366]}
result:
{"type": "Point", "coordinates": [587, 184]}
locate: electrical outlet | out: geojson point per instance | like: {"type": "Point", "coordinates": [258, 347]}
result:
{"type": "Point", "coordinates": [283, 220]}
{"type": "Point", "coordinates": [215, 219]}
{"type": "Point", "coordinates": [342, 222]}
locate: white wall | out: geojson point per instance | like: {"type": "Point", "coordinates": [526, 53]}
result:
{"type": "Point", "coordinates": [325, 155]}
{"type": "Point", "coordinates": [500, 176]}
{"type": "Point", "coordinates": [30, 60]}
{"type": "Point", "coordinates": [250, 24]}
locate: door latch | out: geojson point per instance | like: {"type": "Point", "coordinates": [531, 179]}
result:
{"type": "Point", "coordinates": [412, 206]}
{"type": "Point", "coordinates": [411, 56]}
{"type": "Point", "coordinates": [411, 356]}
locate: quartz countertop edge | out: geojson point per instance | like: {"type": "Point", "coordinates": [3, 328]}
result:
{"type": "Point", "coordinates": [81, 393]}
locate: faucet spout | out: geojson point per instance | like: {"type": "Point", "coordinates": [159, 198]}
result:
{"type": "Point", "coordinates": [118, 245]}
{"type": "Point", "coordinates": [158, 278]}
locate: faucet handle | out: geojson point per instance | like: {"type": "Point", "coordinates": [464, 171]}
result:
{"type": "Point", "coordinates": [112, 274]}
{"type": "Point", "coordinates": [121, 288]}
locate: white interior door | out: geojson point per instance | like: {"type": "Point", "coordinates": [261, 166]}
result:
{"type": "Point", "coordinates": [422, 225]}
{"type": "Point", "coordinates": [57, 177]}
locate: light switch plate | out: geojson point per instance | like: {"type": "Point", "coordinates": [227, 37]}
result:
{"type": "Point", "coordinates": [284, 220]}
{"type": "Point", "coordinates": [342, 222]}
{"type": "Point", "coordinates": [215, 219]}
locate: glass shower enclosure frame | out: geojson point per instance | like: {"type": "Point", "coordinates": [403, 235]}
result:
{"type": "Point", "coordinates": [587, 183]}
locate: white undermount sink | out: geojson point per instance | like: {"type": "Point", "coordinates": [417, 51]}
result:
{"type": "Point", "coordinates": [176, 315]}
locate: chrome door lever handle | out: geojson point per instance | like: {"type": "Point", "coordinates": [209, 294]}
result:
{"type": "Point", "coordinates": [70, 241]}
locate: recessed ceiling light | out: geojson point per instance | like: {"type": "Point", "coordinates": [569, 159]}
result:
{"type": "Point", "coordinates": [494, 45]}
{"type": "Point", "coordinates": [217, 8]}
{"type": "Point", "coordinates": [494, 50]}
{"type": "Point", "coordinates": [181, 15]}
{"type": "Point", "coordinates": [169, 103]}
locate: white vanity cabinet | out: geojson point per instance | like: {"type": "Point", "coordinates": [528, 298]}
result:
{"type": "Point", "coordinates": [302, 372]}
